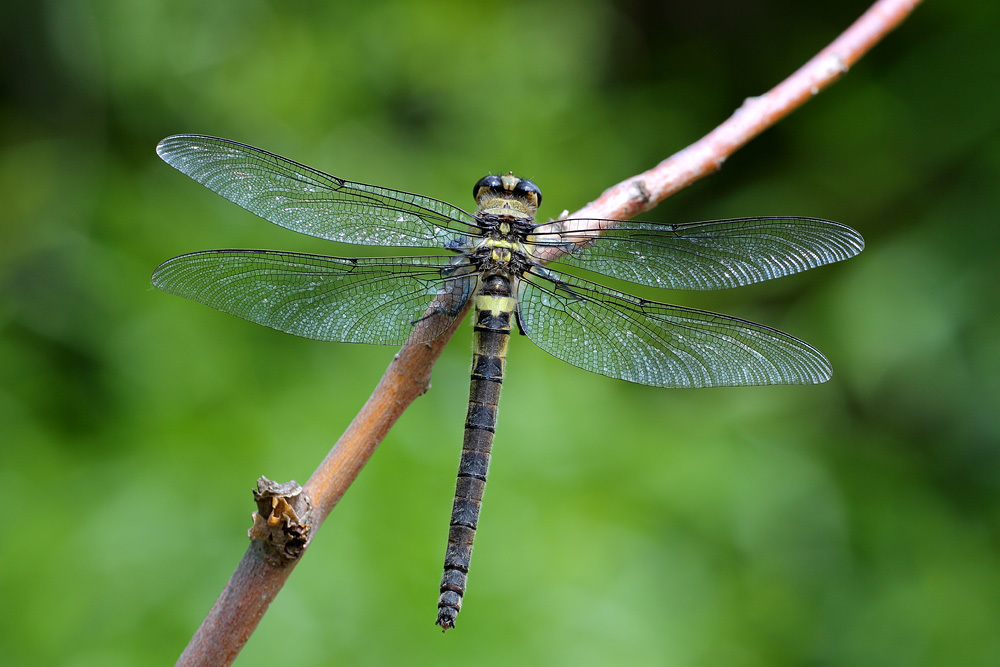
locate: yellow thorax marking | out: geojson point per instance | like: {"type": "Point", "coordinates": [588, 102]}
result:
{"type": "Point", "coordinates": [501, 250]}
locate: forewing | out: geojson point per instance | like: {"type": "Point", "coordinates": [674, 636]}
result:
{"type": "Point", "coordinates": [364, 300]}
{"type": "Point", "coordinates": [705, 255]}
{"type": "Point", "coordinates": [628, 338]}
{"type": "Point", "coordinates": [309, 201]}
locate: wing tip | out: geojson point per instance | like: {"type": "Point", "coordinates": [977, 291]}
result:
{"type": "Point", "coordinates": [169, 147]}
{"type": "Point", "coordinates": [860, 243]}
{"type": "Point", "coordinates": [823, 372]}
{"type": "Point", "coordinates": [823, 377]}
{"type": "Point", "coordinates": [163, 145]}
{"type": "Point", "coordinates": [166, 143]}
{"type": "Point", "coordinates": [855, 242]}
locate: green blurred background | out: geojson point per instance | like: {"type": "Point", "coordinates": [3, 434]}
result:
{"type": "Point", "coordinates": [854, 523]}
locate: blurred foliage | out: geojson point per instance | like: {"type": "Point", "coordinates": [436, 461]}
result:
{"type": "Point", "coordinates": [850, 524]}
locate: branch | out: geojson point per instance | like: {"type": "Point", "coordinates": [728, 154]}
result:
{"type": "Point", "coordinates": [645, 191]}
{"type": "Point", "coordinates": [258, 577]}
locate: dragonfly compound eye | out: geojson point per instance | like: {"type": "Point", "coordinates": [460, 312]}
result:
{"type": "Point", "coordinates": [529, 191]}
{"type": "Point", "coordinates": [490, 182]}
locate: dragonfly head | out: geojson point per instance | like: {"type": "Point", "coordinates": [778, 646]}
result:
{"type": "Point", "coordinates": [507, 195]}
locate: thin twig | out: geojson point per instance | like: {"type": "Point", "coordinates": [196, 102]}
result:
{"type": "Point", "coordinates": [256, 582]}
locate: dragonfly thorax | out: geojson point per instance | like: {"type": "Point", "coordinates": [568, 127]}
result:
{"type": "Point", "coordinates": [501, 255]}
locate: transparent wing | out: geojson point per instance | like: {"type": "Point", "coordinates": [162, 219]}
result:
{"type": "Point", "coordinates": [628, 338]}
{"type": "Point", "coordinates": [309, 201]}
{"type": "Point", "coordinates": [704, 255]}
{"type": "Point", "coordinates": [364, 300]}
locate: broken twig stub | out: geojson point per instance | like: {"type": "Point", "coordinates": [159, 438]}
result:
{"type": "Point", "coordinates": [282, 524]}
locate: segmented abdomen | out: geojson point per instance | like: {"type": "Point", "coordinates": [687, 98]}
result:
{"type": "Point", "coordinates": [494, 307]}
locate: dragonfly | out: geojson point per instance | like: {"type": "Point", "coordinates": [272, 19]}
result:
{"type": "Point", "coordinates": [513, 273]}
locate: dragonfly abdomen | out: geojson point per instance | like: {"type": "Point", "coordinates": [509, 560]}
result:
{"type": "Point", "coordinates": [494, 306]}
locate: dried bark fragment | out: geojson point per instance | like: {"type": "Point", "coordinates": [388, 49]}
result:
{"type": "Point", "coordinates": [283, 521]}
